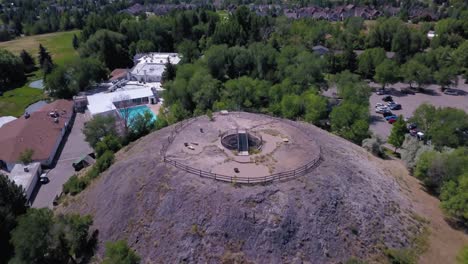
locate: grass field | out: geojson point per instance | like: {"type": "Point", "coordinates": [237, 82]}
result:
{"type": "Point", "coordinates": [59, 45]}
{"type": "Point", "coordinates": [14, 101]}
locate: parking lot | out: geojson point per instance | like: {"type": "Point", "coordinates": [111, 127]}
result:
{"type": "Point", "coordinates": [410, 102]}
{"type": "Point", "coordinates": [75, 147]}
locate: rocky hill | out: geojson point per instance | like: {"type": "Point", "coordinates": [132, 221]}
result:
{"type": "Point", "coordinates": [345, 207]}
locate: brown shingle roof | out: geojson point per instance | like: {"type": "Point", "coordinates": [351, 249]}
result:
{"type": "Point", "coordinates": [38, 132]}
{"type": "Point", "coordinates": [118, 74]}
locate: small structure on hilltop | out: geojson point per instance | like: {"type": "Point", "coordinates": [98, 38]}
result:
{"type": "Point", "coordinates": [242, 141]}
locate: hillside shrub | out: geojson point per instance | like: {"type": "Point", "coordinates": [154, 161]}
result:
{"type": "Point", "coordinates": [104, 161]}
{"type": "Point", "coordinates": [74, 185]}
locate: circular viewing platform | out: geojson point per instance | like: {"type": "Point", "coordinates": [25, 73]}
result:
{"type": "Point", "coordinates": [242, 147]}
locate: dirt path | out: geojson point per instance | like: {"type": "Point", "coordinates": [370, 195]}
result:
{"type": "Point", "coordinates": [445, 241]}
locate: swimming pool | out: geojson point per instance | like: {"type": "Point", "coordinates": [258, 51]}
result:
{"type": "Point", "coordinates": [133, 112]}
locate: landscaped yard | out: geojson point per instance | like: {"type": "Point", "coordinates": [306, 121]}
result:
{"type": "Point", "coordinates": [14, 101]}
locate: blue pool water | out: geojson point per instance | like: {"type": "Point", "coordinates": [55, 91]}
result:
{"type": "Point", "coordinates": [138, 110]}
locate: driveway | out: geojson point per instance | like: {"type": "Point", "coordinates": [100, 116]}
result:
{"type": "Point", "coordinates": [75, 147]}
{"type": "Point", "coordinates": [410, 102]}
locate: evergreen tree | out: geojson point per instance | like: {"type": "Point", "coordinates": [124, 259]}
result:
{"type": "Point", "coordinates": [28, 61]}
{"type": "Point", "coordinates": [75, 42]}
{"type": "Point", "coordinates": [45, 60]}
{"type": "Point", "coordinates": [397, 136]}
{"type": "Point", "coordinates": [169, 72]}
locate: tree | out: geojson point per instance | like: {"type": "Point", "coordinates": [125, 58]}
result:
{"type": "Point", "coordinates": [445, 76]}
{"type": "Point", "coordinates": [45, 60]}
{"type": "Point", "coordinates": [12, 205]}
{"type": "Point", "coordinates": [351, 121]}
{"type": "Point", "coordinates": [454, 198]}
{"type": "Point", "coordinates": [26, 156]}
{"type": "Point", "coordinates": [189, 51]}
{"type": "Point", "coordinates": [109, 142]}
{"type": "Point", "coordinates": [119, 253]}
{"type": "Point", "coordinates": [108, 47]}
{"type": "Point", "coordinates": [41, 237]}
{"type": "Point", "coordinates": [386, 73]}
{"type": "Point", "coordinates": [99, 127]}
{"type": "Point", "coordinates": [67, 81]}
{"type": "Point", "coordinates": [397, 136]}
{"type": "Point", "coordinates": [75, 42]}
{"type": "Point", "coordinates": [416, 72]}
{"type": "Point", "coordinates": [373, 145]}
{"type": "Point", "coordinates": [369, 60]}
{"type": "Point", "coordinates": [11, 69]}
{"type": "Point", "coordinates": [28, 61]}
{"type": "Point", "coordinates": [169, 72]}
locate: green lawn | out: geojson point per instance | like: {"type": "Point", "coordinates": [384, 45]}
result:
{"type": "Point", "coordinates": [59, 44]}
{"type": "Point", "coordinates": [13, 102]}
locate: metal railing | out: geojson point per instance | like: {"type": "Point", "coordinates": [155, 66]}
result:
{"type": "Point", "coordinates": [281, 176]}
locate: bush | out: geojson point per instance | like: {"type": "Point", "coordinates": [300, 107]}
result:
{"type": "Point", "coordinates": [120, 253]}
{"type": "Point", "coordinates": [104, 161]}
{"type": "Point", "coordinates": [109, 142]}
{"type": "Point", "coordinates": [462, 257]}
{"type": "Point", "coordinates": [373, 145]}
{"type": "Point", "coordinates": [74, 185]}
{"type": "Point", "coordinates": [400, 256]}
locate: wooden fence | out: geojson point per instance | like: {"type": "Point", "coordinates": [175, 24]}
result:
{"type": "Point", "coordinates": [281, 176]}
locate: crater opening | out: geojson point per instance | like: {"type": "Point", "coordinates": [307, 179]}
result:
{"type": "Point", "coordinates": [242, 141]}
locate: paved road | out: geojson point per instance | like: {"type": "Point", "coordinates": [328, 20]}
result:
{"type": "Point", "coordinates": [75, 147]}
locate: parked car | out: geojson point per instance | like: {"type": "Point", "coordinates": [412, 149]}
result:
{"type": "Point", "coordinates": [381, 91]}
{"type": "Point", "coordinates": [411, 126]}
{"type": "Point", "coordinates": [381, 109]}
{"type": "Point", "coordinates": [388, 113]}
{"type": "Point", "coordinates": [392, 120]}
{"type": "Point", "coordinates": [43, 178]}
{"type": "Point", "coordinates": [379, 105]}
{"type": "Point", "coordinates": [395, 107]}
{"type": "Point", "coordinates": [387, 98]}
{"type": "Point", "coordinates": [451, 92]}
{"type": "Point", "coordinates": [391, 117]}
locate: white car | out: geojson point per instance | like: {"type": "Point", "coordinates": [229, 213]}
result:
{"type": "Point", "coordinates": [381, 109]}
{"type": "Point", "coordinates": [379, 105]}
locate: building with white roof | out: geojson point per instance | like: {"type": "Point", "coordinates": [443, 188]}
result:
{"type": "Point", "coordinates": [6, 119]}
{"type": "Point", "coordinates": [107, 103]}
{"type": "Point", "coordinates": [26, 176]}
{"type": "Point", "coordinates": [149, 67]}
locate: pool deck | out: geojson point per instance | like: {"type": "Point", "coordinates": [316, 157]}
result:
{"type": "Point", "coordinates": [155, 108]}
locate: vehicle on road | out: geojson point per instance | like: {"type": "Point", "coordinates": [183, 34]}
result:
{"type": "Point", "coordinates": [451, 92]}
{"type": "Point", "coordinates": [387, 98]}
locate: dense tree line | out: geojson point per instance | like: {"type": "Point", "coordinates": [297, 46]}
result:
{"type": "Point", "coordinates": [31, 17]}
